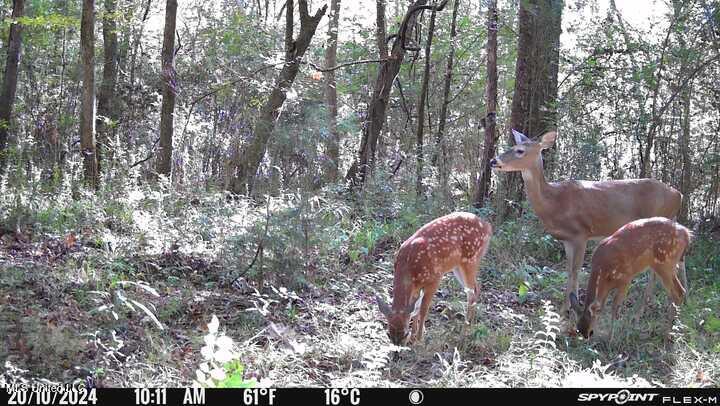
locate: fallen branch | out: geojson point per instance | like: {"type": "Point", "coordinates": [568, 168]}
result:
{"type": "Point", "coordinates": [150, 155]}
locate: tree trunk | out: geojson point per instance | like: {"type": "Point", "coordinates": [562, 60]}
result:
{"type": "Point", "coordinates": [377, 107]}
{"type": "Point", "coordinates": [289, 28]}
{"type": "Point", "coordinates": [9, 85]}
{"type": "Point", "coordinates": [87, 110]}
{"type": "Point", "coordinates": [380, 30]}
{"type": "Point", "coordinates": [244, 165]}
{"type": "Point", "coordinates": [333, 140]}
{"type": "Point", "coordinates": [106, 94]}
{"type": "Point", "coordinates": [165, 149]}
{"type": "Point", "coordinates": [483, 182]}
{"type": "Point", "coordinates": [441, 140]}
{"type": "Point", "coordinates": [533, 108]}
{"type": "Point", "coordinates": [136, 42]}
{"type": "Point", "coordinates": [420, 133]}
{"type": "Point", "coordinates": [686, 100]}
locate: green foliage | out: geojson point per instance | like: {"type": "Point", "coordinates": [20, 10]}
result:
{"type": "Point", "coordinates": [221, 367]}
{"type": "Point", "coordinates": [51, 21]}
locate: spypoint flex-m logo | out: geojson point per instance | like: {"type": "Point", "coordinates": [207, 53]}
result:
{"type": "Point", "coordinates": [620, 398]}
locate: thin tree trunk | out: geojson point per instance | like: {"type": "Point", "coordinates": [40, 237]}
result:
{"type": "Point", "coordinates": [377, 107]}
{"type": "Point", "coordinates": [686, 172]}
{"type": "Point", "coordinates": [380, 30]}
{"type": "Point", "coordinates": [106, 94]}
{"type": "Point", "coordinates": [165, 148]}
{"type": "Point", "coordinates": [441, 139]}
{"type": "Point", "coordinates": [333, 141]}
{"type": "Point", "coordinates": [137, 41]}
{"type": "Point", "coordinates": [244, 165]}
{"type": "Point", "coordinates": [9, 85]}
{"type": "Point", "coordinates": [483, 183]}
{"type": "Point", "coordinates": [420, 133]}
{"type": "Point", "coordinates": [289, 27]}
{"type": "Point", "coordinates": [87, 110]}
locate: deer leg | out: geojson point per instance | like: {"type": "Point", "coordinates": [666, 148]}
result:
{"type": "Point", "coordinates": [419, 322]}
{"type": "Point", "coordinates": [466, 276]}
{"type": "Point", "coordinates": [683, 274]}
{"type": "Point", "coordinates": [575, 252]}
{"type": "Point", "coordinates": [649, 289]}
{"type": "Point", "coordinates": [620, 294]}
{"type": "Point", "coordinates": [671, 283]}
{"type": "Point", "coordinates": [673, 286]}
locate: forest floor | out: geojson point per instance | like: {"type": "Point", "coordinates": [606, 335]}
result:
{"type": "Point", "coordinates": [70, 311]}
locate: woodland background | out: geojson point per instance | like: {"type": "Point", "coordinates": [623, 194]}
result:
{"type": "Point", "coordinates": [164, 161]}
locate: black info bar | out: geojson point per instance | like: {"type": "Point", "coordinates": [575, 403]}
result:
{"type": "Point", "coordinates": [59, 395]}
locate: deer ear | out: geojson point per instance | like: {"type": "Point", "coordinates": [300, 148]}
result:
{"type": "Point", "coordinates": [415, 307]}
{"type": "Point", "coordinates": [520, 138]}
{"type": "Point", "coordinates": [384, 308]}
{"type": "Point", "coordinates": [548, 139]}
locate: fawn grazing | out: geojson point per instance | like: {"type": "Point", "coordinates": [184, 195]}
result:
{"type": "Point", "coordinates": [576, 211]}
{"type": "Point", "coordinates": [455, 242]}
{"type": "Point", "coordinates": [656, 243]}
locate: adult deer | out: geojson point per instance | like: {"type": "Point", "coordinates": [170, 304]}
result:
{"type": "Point", "coordinates": [575, 211]}
{"type": "Point", "coordinates": [455, 242]}
{"type": "Point", "coordinates": [656, 243]}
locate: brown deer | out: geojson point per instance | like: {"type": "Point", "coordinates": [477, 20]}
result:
{"type": "Point", "coordinates": [455, 242]}
{"type": "Point", "coordinates": [656, 243]}
{"type": "Point", "coordinates": [575, 211]}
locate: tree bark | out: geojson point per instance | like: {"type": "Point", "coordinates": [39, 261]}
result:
{"type": "Point", "coordinates": [483, 182]}
{"type": "Point", "coordinates": [420, 133]}
{"type": "Point", "coordinates": [333, 140]}
{"type": "Point", "coordinates": [9, 85]}
{"type": "Point", "coordinates": [380, 30]}
{"type": "Point", "coordinates": [165, 148]}
{"type": "Point", "coordinates": [245, 164]}
{"type": "Point", "coordinates": [441, 140]}
{"type": "Point", "coordinates": [533, 108]}
{"type": "Point", "coordinates": [106, 94]}
{"type": "Point", "coordinates": [87, 110]}
{"type": "Point", "coordinates": [136, 42]}
{"type": "Point", "coordinates": [289, 28]}
{"type": "Point", "coordinates": [685, 178]}
{"type": "Point", "coordinates": [376, 115]}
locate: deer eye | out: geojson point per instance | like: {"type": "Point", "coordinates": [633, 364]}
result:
{"type": "Point", "coordinates": [519, 152]}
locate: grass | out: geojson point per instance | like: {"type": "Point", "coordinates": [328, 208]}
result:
{"type": "Point", "coordinates": [304, 312]}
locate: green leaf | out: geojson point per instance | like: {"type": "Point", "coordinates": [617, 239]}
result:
{"type": "Point", "coordinates": [712, 324]}
{"type": "Point", "coordinates": [522, 290]}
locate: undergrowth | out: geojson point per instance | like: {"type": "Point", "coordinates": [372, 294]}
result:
{"type": "Point", "coordinates": [119, 287]}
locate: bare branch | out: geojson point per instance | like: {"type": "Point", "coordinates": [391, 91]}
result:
{"type": "Point", "coordinates": [343, 65]}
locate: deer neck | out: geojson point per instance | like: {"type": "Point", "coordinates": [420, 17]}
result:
{"type": "Point", "coordinates": [536, 186]}
{"type": "Point", "coordinates": [402, 287]}
{"type": "Point", "coordinates": [591, 292]}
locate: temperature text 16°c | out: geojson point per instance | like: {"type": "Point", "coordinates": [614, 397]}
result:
{"type": "Point", "coordinates": [334, 396]}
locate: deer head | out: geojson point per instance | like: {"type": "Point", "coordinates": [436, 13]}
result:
{"type": "Point", "coordinates": [587, 317]}
{"type": "Point", "coordinates": [524, 154]}
{"type": "Point", "coordinates": [398, 318]}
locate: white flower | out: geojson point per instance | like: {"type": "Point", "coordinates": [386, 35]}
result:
{"type": "Point", "coordinates": [224, 343]}
{"type": "Point", "coordinates": [218, 374]}
{"type": "Point", "coordinates": [207, 352]}
{"type": "Point", "coordinates": [214, 324]}
{"type": "Point", "coordinates": [223, 355]}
